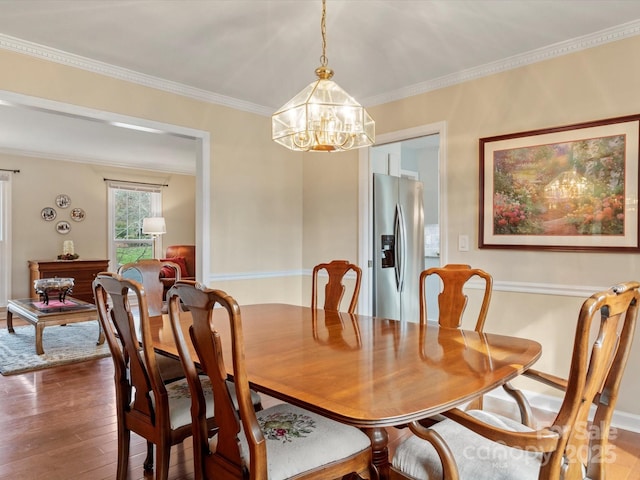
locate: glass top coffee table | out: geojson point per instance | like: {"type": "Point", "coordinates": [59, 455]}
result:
{"type": "Point", "coordinates": [56, 312]}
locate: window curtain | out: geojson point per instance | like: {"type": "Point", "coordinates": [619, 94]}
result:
{"type": "Point", "coordinates": [5, 237]}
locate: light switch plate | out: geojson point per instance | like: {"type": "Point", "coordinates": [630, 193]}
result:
{"type": "Point", "coordinates": [463, 243]}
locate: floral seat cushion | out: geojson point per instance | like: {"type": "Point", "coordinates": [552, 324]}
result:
{"type": "Point", "coordinates": [299, 440]}
{"type": "Point", "coordinates": [180, 399]}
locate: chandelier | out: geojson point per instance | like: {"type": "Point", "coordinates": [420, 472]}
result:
{"type": "Point", "coordinates": [322, 117]}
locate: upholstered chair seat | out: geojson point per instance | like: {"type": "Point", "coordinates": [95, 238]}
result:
{"type": "Point", "coordinates": [180, 399]}
{"type": "Point", "coordinates": [299, 440]}
{"type": "Point", "coordinates": [477, 458]}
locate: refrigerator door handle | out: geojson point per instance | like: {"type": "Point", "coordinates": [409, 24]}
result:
{"type": "Point", "coordinates": [401, 247]}
{"type": "Point", "coordinates": [396, 254]}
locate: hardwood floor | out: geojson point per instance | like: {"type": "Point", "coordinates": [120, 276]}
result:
{"type": "Point", "coordinates": [60, 424]}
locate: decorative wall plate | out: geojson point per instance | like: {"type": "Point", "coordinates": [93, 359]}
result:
{"type": "Point", "coordinates": [63, 201]}
{"type": "Point", "coordinates": [77, 214]}
{"type": "Point", "coordinates": [63, 228]}
{"type": "Point", "coordinates": [48, 213]}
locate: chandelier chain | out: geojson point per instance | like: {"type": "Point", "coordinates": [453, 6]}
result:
{"type": "Point", "coordinates": [323, 31]}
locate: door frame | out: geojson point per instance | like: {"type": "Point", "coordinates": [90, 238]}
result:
{"type": "Point", "coordinates": [365, 203]}
{"type": "Point", "coordinates": [5, 239]}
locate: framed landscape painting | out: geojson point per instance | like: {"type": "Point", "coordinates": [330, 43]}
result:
{"type": "Point", "coordinates": [570, 188]}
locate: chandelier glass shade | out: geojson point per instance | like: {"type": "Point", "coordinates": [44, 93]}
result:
{"type": "Point", "coordinates": [322, 117]}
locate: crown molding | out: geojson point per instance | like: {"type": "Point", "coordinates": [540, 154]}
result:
{"type": "Point", "coordinates": [160, 167]}
{"type": "Point", "coordinates": [53, 55]}
{"type": "Point", "coordinates": [602, 37]}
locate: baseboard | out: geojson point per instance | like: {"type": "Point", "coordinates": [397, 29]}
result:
{"type": "Point", "coordinates": [622, 420]}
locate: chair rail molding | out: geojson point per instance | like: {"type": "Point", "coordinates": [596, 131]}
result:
{"type": "Point", "coordinates": [502, 286]}
{"type": "Point", "coordinates": [217, 277]}
{"type": "Point", "coordinates": [541, 288]}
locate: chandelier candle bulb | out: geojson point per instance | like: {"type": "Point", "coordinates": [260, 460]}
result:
{"type": "Point", "coordinates": [67, 247]}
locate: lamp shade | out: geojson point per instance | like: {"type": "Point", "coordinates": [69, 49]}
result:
{"type": "Point", "coordinates": [154, 226]}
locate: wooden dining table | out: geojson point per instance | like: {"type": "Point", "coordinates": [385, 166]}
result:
{"type": "Point", "coordinates": [361, 370]}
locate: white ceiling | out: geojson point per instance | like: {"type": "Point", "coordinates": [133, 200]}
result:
{"type": "Point", "coordinates": [256, 54]}
{"type": "Point", "coordinates": [48, 133]}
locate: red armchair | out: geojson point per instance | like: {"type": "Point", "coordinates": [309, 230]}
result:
{"type": "Point", "coordinates": [185, 257]}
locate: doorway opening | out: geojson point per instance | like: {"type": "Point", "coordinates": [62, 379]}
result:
{"type": "Point", "coordinates": [98, 118]}
{"type": "Point", "coordinates": [416, 154]}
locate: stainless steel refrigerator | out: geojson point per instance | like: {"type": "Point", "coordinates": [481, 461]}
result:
{"type": "Point", "coordinates": [398, 250]}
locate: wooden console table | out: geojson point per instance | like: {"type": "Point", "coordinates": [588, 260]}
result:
{"type": "Point", "coordinates": [82, 271]}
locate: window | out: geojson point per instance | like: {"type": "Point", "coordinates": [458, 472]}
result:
{"type": "Point", "coordinates": [129, 204]}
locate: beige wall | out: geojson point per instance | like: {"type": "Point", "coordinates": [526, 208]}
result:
{"type": "Point", "coordinates": [589, 85]}
{"type": "Point", "coordinates": [330, 208]}
{"type": "Point", "coordinates": [41, 180]}
{"type": "Point", "coordinates": [255, 185]}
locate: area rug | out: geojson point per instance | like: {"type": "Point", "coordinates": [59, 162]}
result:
{"type": "Point", "coordinates": [72, 343]}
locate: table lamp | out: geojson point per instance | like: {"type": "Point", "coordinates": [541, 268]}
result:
{"type": "Point", "coordinates": [154, 226]}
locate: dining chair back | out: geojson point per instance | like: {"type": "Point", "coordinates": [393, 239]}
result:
{"type": "Point", "coordinates": [452, 301]}
{"type": "Point", "coordinates": [334, 288]}
{"type": "Point", "coordinates": [156, 411]}
{"type": "Point", "coordinates": [279, 442]}
{"type": "Point", "coordinates": [147, 272]}
{"type": "Point", "coordinates": [481, 445]}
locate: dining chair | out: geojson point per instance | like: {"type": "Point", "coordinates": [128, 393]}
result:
{"type": "Point", "coordinates": [452, 302]}
{"type": "Point", "coordinates": [279, 442]}
{"type": "Point", "coordinates": [148, 273]}
{"type": "Point", "coordinates": [334, 288]}
{"type": "Point", "coordinates": [158, 412]}
{"type": "Point", "coordinates": [481, 445]}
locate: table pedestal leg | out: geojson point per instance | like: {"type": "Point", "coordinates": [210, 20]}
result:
{"type": "Point", "coordinates": [379, 446]}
